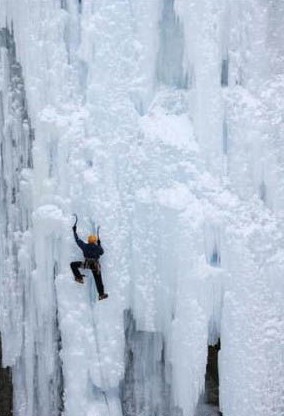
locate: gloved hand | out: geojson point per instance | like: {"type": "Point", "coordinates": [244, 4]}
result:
{"type": "Point", "coordinates": [99, 242]}
{"type": "Point", "coordinates": [74, 228]}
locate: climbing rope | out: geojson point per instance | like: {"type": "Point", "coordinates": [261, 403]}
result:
{"type": "Point", "coordinates": [103, 390]}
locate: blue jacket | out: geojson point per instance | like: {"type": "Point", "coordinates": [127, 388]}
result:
{"type": "Point", "coordinates": [90, 251]}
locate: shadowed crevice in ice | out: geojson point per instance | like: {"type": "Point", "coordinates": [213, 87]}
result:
{"type": "Point", "coordinates": [59, 385]}
{"type": "Point", "coordinates": [263, 191]}
{"type": "Point", "coordinates": [215, 259]}
{"type": "Point", "coordinates": [170, 57]}
{"type": "Point", "coordinates": [146, 387]}
{"type": "Point", "coordinates": [6, 388]}
{"type": "Point", "coordinates": [225, 137]}
{"type": "Point", "coordinates": [212, 375]}
{"type": "Point", "coordinates": [80, 4]}
{"type": "Point", "coordinates": [19, 108]}
{"type": "Point", "coordinates": [209, 401]}
{"type": "Point", "coordinates": [225, 72]}
{"type": "Point", "coordinates": [212, 239]}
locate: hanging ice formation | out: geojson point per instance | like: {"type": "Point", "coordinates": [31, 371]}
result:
{"type": "Point", "coordinates": [162, 121]}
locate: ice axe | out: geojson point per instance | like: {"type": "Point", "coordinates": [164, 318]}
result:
{"type": "Point", "coordinates": [96, 230]}
{"type": "Point", "coordinates": [76, 220]}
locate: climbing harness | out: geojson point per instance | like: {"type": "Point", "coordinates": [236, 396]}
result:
{"type": "Point", "coordinates": [92, 264]}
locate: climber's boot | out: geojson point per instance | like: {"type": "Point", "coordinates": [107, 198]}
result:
{"type": "Point", "coordinates": [104, 296]}
{"type": "Point", "coordinates": [80, 279]}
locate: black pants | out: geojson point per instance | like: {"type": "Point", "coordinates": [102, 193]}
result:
{"type": "Point", "coordinates": [76, 265]}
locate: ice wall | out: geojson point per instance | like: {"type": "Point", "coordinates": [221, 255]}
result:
{"type": "Point", "coordinates": [162, 122]}
{"type": "Point", "coordinates": [29, 333]}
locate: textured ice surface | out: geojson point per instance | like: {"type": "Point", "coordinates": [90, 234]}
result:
{"type": "Point", "coordinates": [162, 121]}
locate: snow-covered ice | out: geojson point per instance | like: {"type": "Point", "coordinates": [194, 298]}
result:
{"type": "Point", "coordinates": [162, 122]}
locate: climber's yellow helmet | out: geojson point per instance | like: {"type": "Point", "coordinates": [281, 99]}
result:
{"type": "Point", "coordinates": [92, 239]}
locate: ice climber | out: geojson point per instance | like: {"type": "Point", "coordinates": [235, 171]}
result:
{"type": "Point", "coordinates": [92, 252]}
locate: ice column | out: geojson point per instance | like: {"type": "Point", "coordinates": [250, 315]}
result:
{"type": "Point", "coordinates": [30, 340]}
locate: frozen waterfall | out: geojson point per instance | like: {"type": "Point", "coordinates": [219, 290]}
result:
{"type": "Point", "coordinates": [162, 122]}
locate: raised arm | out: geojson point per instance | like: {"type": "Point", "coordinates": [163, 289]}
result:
{"type": "Point", "coordinates": [79, 242]}
{"type": "Point", "coordinates": [101, 250]}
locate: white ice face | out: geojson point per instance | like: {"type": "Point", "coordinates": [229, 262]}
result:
{"type": "Point", "coordinates": [161, 121]}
